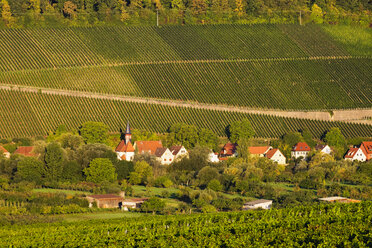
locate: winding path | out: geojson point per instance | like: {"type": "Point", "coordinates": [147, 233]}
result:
{"type": "Point", "coordinates": [348, 115]}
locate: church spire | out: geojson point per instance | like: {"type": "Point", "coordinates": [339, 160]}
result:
{"type": "Point", "coordinates": [128, 134]}
{"type": "Point", "coordinates": [127, 131]}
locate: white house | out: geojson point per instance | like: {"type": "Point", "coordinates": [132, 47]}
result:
{"type": "Point", "coordinates": [276, 156]}
{"type": "Point", "coordinates": [179, 152]}
{"type": "Point", "coordinates": [132, 203]}
{"type": "Point", "coordinates": [125, 149]}
{"type": "Point", "coordinates": [262, 203]}
{"type": "Point", "coordinates": [323, 148]}
{"type": "Point", "coordinates": [164, 155]}
{"type": "Point", "coordinates": [4, 152]}
{"type": "Point", "coordinates": [213, 157]}
{"type": "Point", "coordinates": [259, 151]}
{"type": "Point", "coordinates": [301, 149]}
{"type": "Point", "coordinates": [355, 154]}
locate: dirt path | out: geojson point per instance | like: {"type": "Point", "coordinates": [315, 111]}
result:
{"type": "Point", "coordinates": [352, 115]}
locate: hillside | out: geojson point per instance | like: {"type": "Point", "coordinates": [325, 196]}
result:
{"type": "Point", "coordinates": [255, 66]}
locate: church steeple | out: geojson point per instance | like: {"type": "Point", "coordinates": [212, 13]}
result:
{"type": "Point", "coordinates": [128, 134]}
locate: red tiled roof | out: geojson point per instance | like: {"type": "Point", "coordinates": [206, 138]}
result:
{"type": "Point", "coordinates": [320, 147]}
{"type": "Point", "coordinates": [228, 149]}
{"type": "Point", "coordinates": [301, 146]}
{"type": "Point", "coordinates": [148, 146]}
{"type": "Point", "coordinates": [106, 196]}
{"type": "Point", "coordinates": [175, 149]}
{"type": "Point", "coordinates": [2, 149]}
{"type": "Point", "coordinates": [271, 153]}
{"type": "Point", "coordinates": [25, 151]}
{"type": "Point", "coordinates": [367, 145]}
{"type": "Point", "coordinates": [137, 200]}
{"type": "Point", "coordinates": [160, 151]}
{"type": "Point", "coordinates": [351, 152]}
{"type": "Point", "coordinates": [122, 147]}
{"type": "Point", "coordinates": [258, 149]}
{"type": "Point", "coordinates": [123, 157]}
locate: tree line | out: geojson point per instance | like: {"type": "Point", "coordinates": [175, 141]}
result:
{"type": "Point", "coordinates": [56, 13]}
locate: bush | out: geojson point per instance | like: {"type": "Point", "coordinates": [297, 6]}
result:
{"type": "Point", "coordinates": [215, 185]}
{"type": "Point", "coordinates": [209, 209]}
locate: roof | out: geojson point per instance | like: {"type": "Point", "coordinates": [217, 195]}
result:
{"type": "Point", "coordinates": [127, 131]}
{"type": "Point", "coordinates": [351, 152]}
{"type": "Point", "coordinates": [105, 197]}
{"type": "Point", "coordinates": [367, 147]}
{"type": "Point", "coordinates": [2, 149]}
{"type": "Point", "coordinates": [320, 147]}
{"type": "Point", "coordinates": [25, 151]}
{"type": "Point", "coordinates": [271, 153]}
{"type": "Point", "coordinates": [137, 200]}
{"type": "Point", "coordinates": [175, 149]}
{"type": "Point", "coordinates": [332, 198]}
{"type": "Point", "coordinates": [160, 151]}
{"type": "Point", "coordinates": [148, 146]}
{"type": "Point", "coordinates": [122, 147]}
{"type": "Point", "coordinates": [301, 146]}
{"type": "Point", "coordinates": [252, 203]}
{"type": "Point", "coordinates": [258, 149]}
{"type": "Point", "coordinates": [230, 149]}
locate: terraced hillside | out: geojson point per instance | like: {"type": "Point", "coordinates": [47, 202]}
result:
{"type": "Point", "coordinates": [261, 66]}
{"type": "Point", "coordinates": [32, 114]}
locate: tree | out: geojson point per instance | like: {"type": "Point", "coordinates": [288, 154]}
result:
{"type": "Point", "coordinates": [292, 138]}
{"type": "Point", "coordinates": [69, 9]}
{"type": "Point", "coordinates": [308, 137]}
{"type": "Point", "coordinates": [86, 153]}
{"type": "Point", "coordinates": [30, 169]}
{"type": "Point", "coordinates": [241, 130]}
{"type": "Point", "coordinates": [153, 205]}
{"type": "Point", "coordinates": [215, 185]}
{"type": "Point", "coordinates": [71, 141]}
{"type": "Point", "coordinates": [6, 14]}
{"type": "Point", "coordinates": [142, 173]}
{"type": "Point", "coordinates": [316, 14]}
{"type": "Point", "coordinates": [239, 7]}
{"type": "Point", "coordinates": [53, 161]}
{"type": "Point", "coordinates": [335, 138]}
{"type": "Point", "coordinates": [198, 7]}
{"type": "Point", "coordinates": [184, 134]}
{"type": "Point", "coordinates": [207, 174]}
{"type": "Point", "coordinates": [123, 169]}
{"type": "Point", "coordinates": [208, 139]}
{"type": "Point", "coordinates": [72, 171]}
{"type": "Point", "coordinates": [94, 132]}
{"type": "Point", "coordinates": [100, 170]}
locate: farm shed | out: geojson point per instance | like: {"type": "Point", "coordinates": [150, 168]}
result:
{"type": "Point", "coordinates": [261, 203]}
{"type": "Point", "coordinates": [133, 203]}
{"type": "Point", "coordinates": [106, 201]}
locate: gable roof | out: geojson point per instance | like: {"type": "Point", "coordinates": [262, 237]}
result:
{"type": "Point", "coordinates": [320, 147]}
{"type": "Point", "coordinates": [2, 149]}
{"type": "Point", "coordinates": [148, 146]}
{"type": "Point", "coordinates": [229, 149]}
{"type": "Point", "coordinates": [122, 147]}
{"type": "Point", "coordinates": [106, 197]}
{"type": "Point", "coordinates": [258, 149]}
{"type": "Point", "coordinates": [160, 151]}
{"type": "Point", "coordinates": [271, 153]}
{"type": "Point", "coordinates": [351, 152]}
{"type": "Point", "coordinates": [301, 146]}
{"type": "Point", "coordinates": [259, 201]}
{"type": "Point", "coordinates": [175, 149]}
{"type": "Point", "coordinates": [25, 151]}
{"type": "Point", "coordinates": [367, 147]}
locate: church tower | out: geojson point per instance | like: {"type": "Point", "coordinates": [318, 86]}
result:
{"type": "Point", "coordinates": [128, 134]}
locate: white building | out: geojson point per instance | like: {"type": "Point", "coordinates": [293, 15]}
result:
{"type": "Point", "coordinates": [164, 155]}
{"type": "Point", "coordinates": [323, 148]}
{"type": "Point", "coordinates": [4, 152]}
{"type": "Point", "coordinates": [213, 157]}
{"type": "Point", "coordinates": [125, 149]}
{"type": "Point", "coordinates": [276, 156]}
{"type": "Point", "coordinates": [262, 203]}
{"type": "Point", "coordinates": [301, 149]}
{"type": "Point", "coordinates": [179, 152]}
{"type": "Point", "coordinates": [355, 154]}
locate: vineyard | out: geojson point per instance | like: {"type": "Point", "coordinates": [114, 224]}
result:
{"type": "Point", "coordinates": [256, 66]}
{"type": "Point", "coordinates": [25, 114]}
{"type": "Point", "coordinates": [340, 225]}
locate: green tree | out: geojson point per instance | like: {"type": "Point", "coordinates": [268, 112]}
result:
{"type": "Point", "coordinates": [184, 134]}
{"type": "Point", "coordinates": [70, 140]}
{"type": "Point", "coordinates": [142, 173]}
{"type": "Point", "coordinates": [241, 130]}
{"type": "Point", "coordinates": [208, 139]}
{"type": "Point", "coordinates": [207, 174]}
{"type": "Point", "coordinates": [308, 137]}
{"type": "Point", "coordinates": [72, 171]}
{"type": "Point", "coordinates": [53, 161]}
{"type": "Point", "coordinates": [215, 185]}
{"type": "Point", "coordinates": [30, 169]}
{"type": "Point", "coordinates": [100, 170]}
{"type": "Point", "coordinates": [316, 14]}
{"type": "Point", "coordinates": [335, 138]}
{"type": "Point", "coordinates": [94, 132]}
{"type": "Point", "coordinates": [86, 153]}
{"type": "Point", "coordinates": [198, 7]}
{"type": "Point", "coordinates": [6, 14]}
{"type": "Point", "coordinates": [292, 138]}
{"type": "Point", "coordinates": [153, 205]}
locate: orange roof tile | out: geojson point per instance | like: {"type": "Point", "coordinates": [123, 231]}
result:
{"type": "Point", "coordinates": [2, 149]}
{"type": "Point", "coordinates": [367, 145]}
{"type": "Point", "coordinates": [301, 146]}
{"type": "Point", "coordinates": [148, 146]}
{"type": "Point", "coordinates": [351, 152]}
{"type": "Point", "coordinates": [175, 149]}
{"type": "Point", "coordinates": [271, 153]}
{"type": "Point", "coordinates": [25, 151]}
{"type": "Point", "coordinates": [258, 149]}
{"type": "Point", "coordinates": [229, 149]}
{"type": "Point", "coordinates": [122, 147]}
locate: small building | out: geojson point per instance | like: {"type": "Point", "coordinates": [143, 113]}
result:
{"type": "Point", "coordinates": [25, 151]}
{"type": "Point", "coordinates": [164, 155]}
{"type": "Point", "coordinates": [301, 149]}
{"type": "Point", "coordinates": [323, 148]}
{"type": "Point", "coordinates": [125, 149]}
{"type": "Point", "coordinates": [106, 201]}
{"type": "Point", "coordinates": [179, 152]}
{"type": "Point", "coordinates": [366, 147]}
{"type": "Point", "coordinates": [4, 152]}
{"type": "Point", "coordinates": [149, 147]}
{"type": "Point", "coordinates": [340, 199]}
{"type": "Point", "coordinates": [276, 156]}
{"type": "Point", "coordinates": [259, 151]}
{"type": "Point", "coordinates": [213, 157]}
{"type": "Point", "coordinates": [261, 203]}
{"type": "Point", "coordinates": [132, 203]}
{"type": "Point", "coordinates": [228, 151]}
{"type": "Point", "coordinates": [355, 154]}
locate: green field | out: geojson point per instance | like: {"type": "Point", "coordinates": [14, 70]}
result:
{"type": "Point", "coordinates": [258, 66]}
{"type": "Point", "coordinates": [335, 225]}
{"type": "Point", "coordinates": [31, 114]}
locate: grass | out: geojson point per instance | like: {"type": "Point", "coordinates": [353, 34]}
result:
{"type": "Point", "coordinates": [63, 191]}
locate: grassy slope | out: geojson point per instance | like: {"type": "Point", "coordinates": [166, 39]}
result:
{"type": "Point", "coordinates": [32, 114]}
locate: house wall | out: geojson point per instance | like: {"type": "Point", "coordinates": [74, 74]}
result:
{"type": "Point", "coordinates": [128, 155]}
{"type": "Point", "coordinates": [279, 157]}
{"type": "Point", "coordinates": [359, 156]}
{"type": "Point", "coordinates": [298, 154]}
{"type": "Point", "coordinates": [327, 150]}
{"type": "Point", "coordinates": [182, 153]}
{"type": "Point", "coordinates": [265, 205]}
{"type": "Point", "coordinates": [167, 158]}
